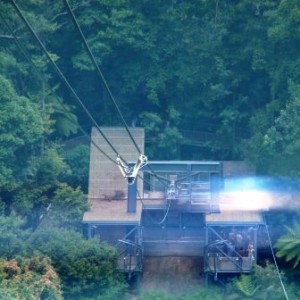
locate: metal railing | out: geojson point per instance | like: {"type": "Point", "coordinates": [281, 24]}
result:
{"type": "Point", "coordinates": [219, 261]}
{"type": "Point", "coordinates": [130, 253]}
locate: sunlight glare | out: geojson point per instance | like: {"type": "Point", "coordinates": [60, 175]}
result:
{"type": "Point", "coordinates": [246, 200]}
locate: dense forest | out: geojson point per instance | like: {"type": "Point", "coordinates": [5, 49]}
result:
{"type": "Point", "coordinates": [207, 79]}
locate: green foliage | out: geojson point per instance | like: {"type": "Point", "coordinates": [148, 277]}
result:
{"type": "Point", "coordinates": [29, 279]}
{"type": "Point", "coordinates": [9, 65]}
{"type": "Point", "coordinates": [41, 179]}
{"type": "Point", "coordinates": [156, 295]}
{"type": "Point", "coordinates": [277, 145]}
{"type": "Point", "coordinates": [67, 207]}
{"type": "Point", "coordinates": [283, 61]}
{"type": "Point", "coordinates": [160, 136]}
{"type": "Point", "coordinates": [30, 170]}
{"type": "Point", "coordinates": [21, 128]}
{"type": "Point", "coordinates": [12, 236]}
{"type": "Point", "coordinates": [219, 68]}
{"type": "Point", "coordinates": [205, 293]}
{"type": "Point", "coordinates": [168, 141]}
{"type": "Point", "coordinates": [263, 283]}
{"type": "Point", "coordinates": [246, 286]}
{"type": "Point", "coordinates": [78, 159]}
{"type": "Point", "coordinates": [223, 67]}
{"type": "Point", "coordinates": [48, 168]}
{"type": "Point", "coordinates": [88, 270]}
{"type": "Point", "coordinates": [66, 122]}
{"type": "Point", "coordinates": [288, 245]}
{"type": "Point", "coordinates": [274, 139]}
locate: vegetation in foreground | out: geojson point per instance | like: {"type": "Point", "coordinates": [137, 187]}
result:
{"type": "Point", "coordinates": [262, 283]}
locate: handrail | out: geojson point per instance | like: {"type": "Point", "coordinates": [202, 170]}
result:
{"type": "Point", "coordinates": [231, 258]}
{"type": "Point", "coordinates": [131, 243]}
{"type": "Point", "coordinates": [132, 250]}
{"type": "Point", "coordinates": [127, 235]}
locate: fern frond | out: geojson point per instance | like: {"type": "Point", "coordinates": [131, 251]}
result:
{"type": "Point", "coordinates": [246, 286]}
{"type": "Point", "coordinates": [289, 245]}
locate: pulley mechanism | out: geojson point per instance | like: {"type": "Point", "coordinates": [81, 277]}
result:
{"type": "Point", "coordinates": [172, 190]}
{"type": "Point", "coordinates": [131, 172]}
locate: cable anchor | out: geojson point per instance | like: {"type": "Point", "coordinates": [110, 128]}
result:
{"type": "Point", "coordinates": [131, 172]}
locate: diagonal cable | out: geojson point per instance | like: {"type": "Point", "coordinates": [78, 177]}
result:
{"type": "Point", "coordinates": [24, 52]}
{"type": "Point", "coordinates": [99, 72]}
{"type": "Point", "coordinates": [60, 74]}
{"type": "Point", "coordinates": [65, 81]}
{"type": "Point", "coordinates": [101, 76]}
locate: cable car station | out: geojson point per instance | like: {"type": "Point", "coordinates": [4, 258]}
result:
{"type": "Point", "coordinates": [173, 208]}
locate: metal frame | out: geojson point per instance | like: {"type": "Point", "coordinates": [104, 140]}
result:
{"type": "Point", "coordinates": [185, 192]}
{"type": "Point", "coordinates": [217, 261]}
{"type": "Point", "coordinates": [130, 253]}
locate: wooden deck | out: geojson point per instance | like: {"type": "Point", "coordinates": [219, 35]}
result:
{"type": "Point", "coordinates": [104, 211]}
{"type": "Point", "coordinates": [111, 211]}
{"type": "Point", "coordinates": [227, 264]}
{"type": "Point", "coordinates": [235, 218]}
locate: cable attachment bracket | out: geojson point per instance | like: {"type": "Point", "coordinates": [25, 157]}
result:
{"type": "Point", "coordinates": [131, 172]}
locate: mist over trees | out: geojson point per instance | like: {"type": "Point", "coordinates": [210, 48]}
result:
{"type": "Point", "coordinates": [207, 79]}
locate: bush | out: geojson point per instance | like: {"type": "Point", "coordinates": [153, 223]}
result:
{"type": "Point", "coordinates": [88, 270]}
{"type": "Point", "coordinates": [29, 279]}
{"type": "Point", "coordinates": [12, 236]}
{"type": "Point", "coordinates": [68, 207]}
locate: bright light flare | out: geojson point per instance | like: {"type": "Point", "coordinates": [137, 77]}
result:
{"type": "Point", "coordinates": [257, 194]}
{"type": "Point", "coordinates": [246, 200]}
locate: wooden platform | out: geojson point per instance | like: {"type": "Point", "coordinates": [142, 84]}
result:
{"type": "Point", "coordinates": [114, 212]}
{"type": "Point", "coordinates": [232, 218]}
{"type": "Point", "coordinates": [229, 264]}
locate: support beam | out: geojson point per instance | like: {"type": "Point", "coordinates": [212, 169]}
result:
{"type": "Point", "coordinates": [132, 194]}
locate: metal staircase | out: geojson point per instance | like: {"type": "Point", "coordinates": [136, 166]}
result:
{"type": "Point", "coordinates": [130, 254]}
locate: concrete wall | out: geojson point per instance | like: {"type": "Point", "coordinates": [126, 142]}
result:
{"type": "Point", "coordinates": [105, 178]}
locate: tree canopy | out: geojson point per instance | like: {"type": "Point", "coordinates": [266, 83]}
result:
{"type": "Point", "coordinates": [211, 78]}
